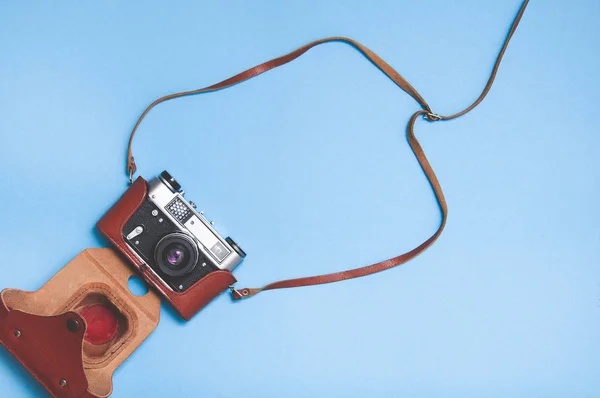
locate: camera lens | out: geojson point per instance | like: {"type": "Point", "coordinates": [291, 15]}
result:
{"type": "Point", "coordinates": [176, 254]}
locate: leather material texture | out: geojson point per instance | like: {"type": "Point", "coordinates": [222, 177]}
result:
{"type": "Point", "coordinates": [45, 331]}
{"type": "Point", "coordinates": [187, 303]}
{"type": "Point", "coordinates": [387, 70]}
{"type": "Point", "coordinates": [32, 340]}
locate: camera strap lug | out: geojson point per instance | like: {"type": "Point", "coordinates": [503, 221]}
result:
{"type": "Point", "coordinates": [236, 294]}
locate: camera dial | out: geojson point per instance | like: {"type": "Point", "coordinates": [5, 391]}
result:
{"type": "Point", "coordinates": [235, 247]}
{"type": "Point", "coordinates": [176, 254]}
{"type": "Point", "coordinates": [170, 181]}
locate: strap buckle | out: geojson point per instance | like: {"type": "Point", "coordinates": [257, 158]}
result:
{"type": "Point", "coordinates": [432, 117]}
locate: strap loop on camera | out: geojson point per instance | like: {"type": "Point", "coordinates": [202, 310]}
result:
{"type": "Point", "coordinates": [131, 168]}
{"type": "Point", "coordinates": [237, 295]}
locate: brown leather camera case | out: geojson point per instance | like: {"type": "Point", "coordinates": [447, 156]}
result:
{"type": "Point", "coordinates": [44, 330]}
{"type": "Point", "coordinates": [186, 303]}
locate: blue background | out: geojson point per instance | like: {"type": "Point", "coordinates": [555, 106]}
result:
{"type": "Point", "coordinates": [308, 168]}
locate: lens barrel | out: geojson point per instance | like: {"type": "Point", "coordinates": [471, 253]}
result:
{"type": "Point", "coordinates": [176, 254]}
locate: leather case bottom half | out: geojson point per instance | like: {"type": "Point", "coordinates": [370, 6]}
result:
{"type": "Point", "coordinates": [47, 330]}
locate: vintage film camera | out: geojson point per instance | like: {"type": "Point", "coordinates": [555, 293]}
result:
{"type": "Point", "coordinates": [174, 247]}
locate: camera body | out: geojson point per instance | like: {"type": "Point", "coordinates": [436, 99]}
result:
{"type": "Point", "coordinates": [175, 241]}
{"type": "Point", "coordinates": [175, 248]}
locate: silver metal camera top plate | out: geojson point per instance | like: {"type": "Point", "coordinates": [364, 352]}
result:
{"type": "Point", "coordinates": [208, 239]}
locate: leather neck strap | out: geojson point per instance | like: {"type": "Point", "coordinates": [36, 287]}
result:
{"type": "Point", "coordinates": [426, 112]}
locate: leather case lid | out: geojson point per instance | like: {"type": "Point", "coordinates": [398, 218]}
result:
{"type": "Point", "coordinates": [33, 340]}
{"type": "Point", "coordinates": [46, 346]}
{"type": "Point", "coordinates": [186, 303]}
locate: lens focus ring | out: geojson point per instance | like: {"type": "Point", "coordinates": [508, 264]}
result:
{"type": "Point", "coordinates": [176, 254]}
